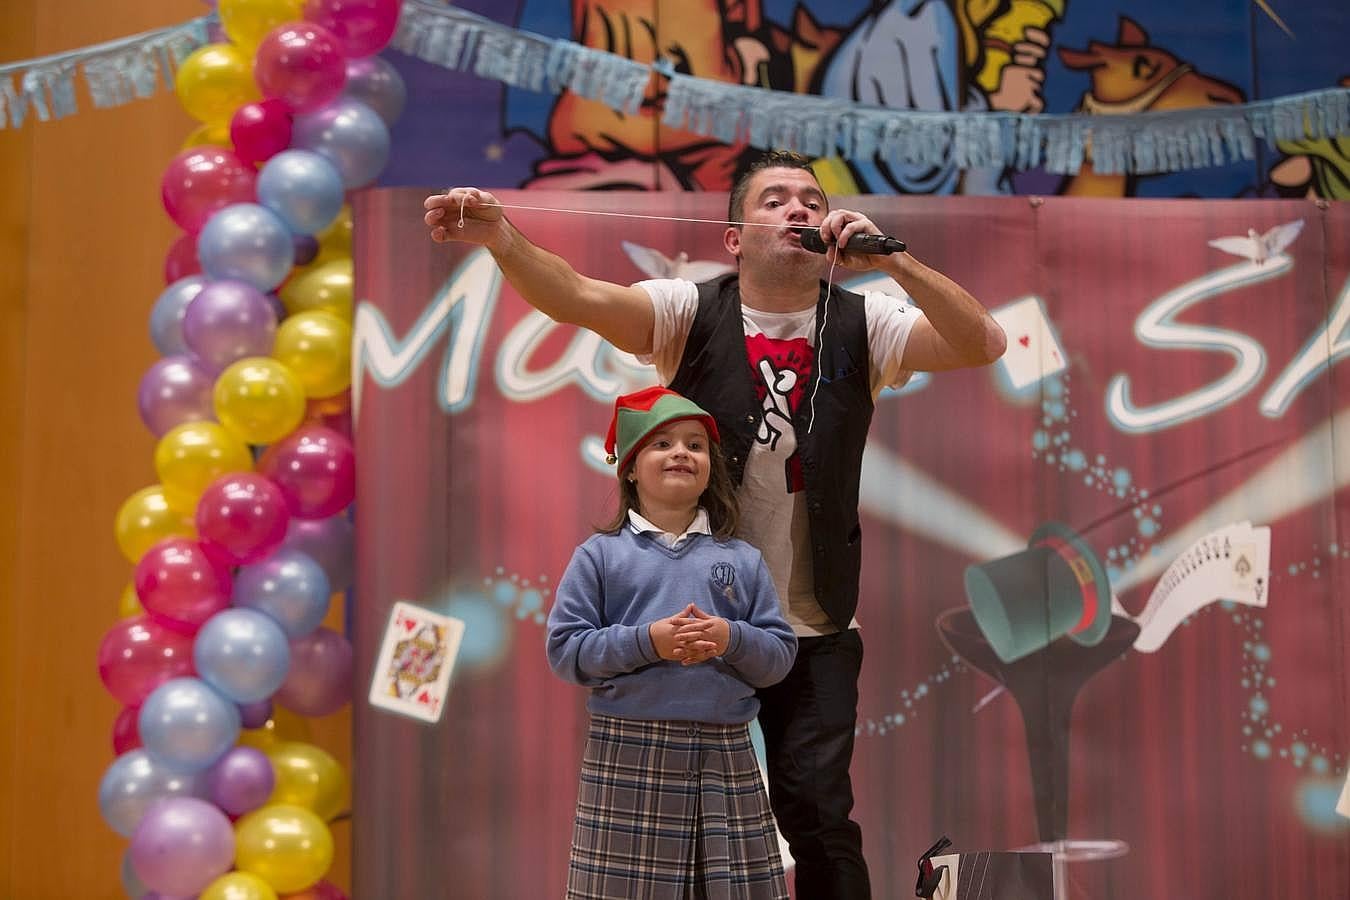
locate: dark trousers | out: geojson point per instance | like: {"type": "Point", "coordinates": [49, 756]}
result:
{"type": "Point", "coordinates": [808, 720]}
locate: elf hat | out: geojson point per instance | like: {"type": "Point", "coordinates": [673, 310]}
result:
{"type": "Point", "coordinates": [638, 414]}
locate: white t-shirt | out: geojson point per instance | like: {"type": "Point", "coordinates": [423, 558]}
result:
{"type": "Point", "coordinates": [781, 349]}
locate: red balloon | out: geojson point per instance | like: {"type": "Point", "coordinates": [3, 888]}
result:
{"type": "Point", "coordinates": [315, 467]}
{"type": "Point", "coordinates": [324, 890]}
{"type": "Point", "coordinates": [260, 130]}
{"type": "Point", "coordinates": [181, 584]}
{"type": "Point", "coordinates": [301, 65]}
{"type": "Point", "coordinates": [319, 681]}
{"type": "Point", "coordinates": [244, 516]}
{"type": "Point", "coordinates": [201, 180]}
{"type": "Point", "coordinates": [181, 260]}
{"type": "Point", "coordinates": [125, 735]}
{"type": "Point", "coordinates": [362, 27]}
{"type": "Point", "coordinates": [138, 654]}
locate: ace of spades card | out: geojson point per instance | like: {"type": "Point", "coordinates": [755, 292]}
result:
{"type": "Point", "coordinates": [412, 675]}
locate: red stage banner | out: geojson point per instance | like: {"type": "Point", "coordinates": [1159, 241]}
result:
{"type": "Point", "coordinates": [1103, 579]}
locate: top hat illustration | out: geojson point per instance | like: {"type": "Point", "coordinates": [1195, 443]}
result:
{"type": "Point", "coordinates": [1055, 587]}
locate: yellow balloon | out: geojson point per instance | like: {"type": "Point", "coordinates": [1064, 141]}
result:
{"type": "Point", "coordinates": [212, 134]}
{"type": "Point", "coordinates": [247, 22]}
{"type": "Point", "coordinates": [190, 456]}
{"type": "Point", "coordinates": [283, 726]}
{"type": "Point", "coordinates": [215, 81]}
{"type": "Point", "coordinates": [238, 886]}
{"type": "Point", "coordinates": [336, 239]}
{"type": "Point", "coordinates": [145, 519]}
{"type": "Point", "coordinates": [287, 846]}
{"type": "Point", "coordinates": [129, 604]}
{"type": "Point", "coordinates": [316, 346]}
{"type": "Point", "coordinates": [308, 776]}
{"type": "Point", "coordinates": [259, 400]}
{"type": "Point", "coordinates": [327, 286]}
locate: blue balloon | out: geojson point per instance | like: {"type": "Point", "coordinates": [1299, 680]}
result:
{"type": "Point", "coordinates": [248, 242]}
{"type": "Point", "coordinates": [289, 586]}
{"type": "Point", "coordinates": [243, 654]}
{"type": "Point", "coordinates": [303, 188]}
{"type": "Point", "coordinates": [186, 726]}
{"type": "Point", "coordinates": [350, 134]}
{"type": "Point", "coordinates": [166, 319]}
{"type": "Point", "coordinates": [134, 781]}
{"type": "Point", "coordinates": [131, 882]}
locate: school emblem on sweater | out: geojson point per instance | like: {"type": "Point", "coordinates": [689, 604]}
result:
{"type": "Point", "coordinates": [724, 576]}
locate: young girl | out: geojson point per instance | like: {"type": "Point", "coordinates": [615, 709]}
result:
{"type": "Point", "coordinates": [672, 624]}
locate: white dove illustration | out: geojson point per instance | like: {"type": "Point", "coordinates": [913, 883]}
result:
{"type": "Point", "coordinates": [657, 265]}
{"type": "Point", "coordinates": [1260, 247]}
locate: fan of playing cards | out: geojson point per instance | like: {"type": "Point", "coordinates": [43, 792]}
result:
{"type": "Point", "coordinates": [221, 646]}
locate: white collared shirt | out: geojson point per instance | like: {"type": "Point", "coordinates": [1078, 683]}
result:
{"type": "Point", "coordinates": [698, 526]}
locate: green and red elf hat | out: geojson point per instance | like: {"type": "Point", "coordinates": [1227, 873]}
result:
{"type": "Point", "coordinates": [638, 414]}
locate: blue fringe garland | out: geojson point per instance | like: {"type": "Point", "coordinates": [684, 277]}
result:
{"type": "Point", "coordinates": [115, 72]}
{"type": "Point", "coordinates": [456, 39]}
{"type": "Point", "coordinates": [1142, 143]}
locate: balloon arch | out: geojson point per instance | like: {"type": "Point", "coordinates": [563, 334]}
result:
{"type": "Point", "coordinates": [219, 651]}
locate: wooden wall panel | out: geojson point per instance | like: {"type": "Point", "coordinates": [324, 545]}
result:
{"type": "Point", "coordinates": [82, 240]}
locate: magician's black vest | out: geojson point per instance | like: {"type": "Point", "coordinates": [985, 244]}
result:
{"type": "Point", "coordinates": [715, 373]}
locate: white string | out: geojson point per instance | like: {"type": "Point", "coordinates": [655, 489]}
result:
{"type": "Point", "coordinates": [829, 276]}
{"type": "Point", "coordinates": [820, 344]}
{"type": "Point", "coordinates": [597, 212]}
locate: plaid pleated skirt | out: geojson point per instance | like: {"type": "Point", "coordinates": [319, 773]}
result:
{"type": "Point", "coordinates": [672, 810]}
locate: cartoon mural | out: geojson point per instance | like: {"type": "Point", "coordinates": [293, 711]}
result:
{"type": "Point", "coordinates": [1020, 56]}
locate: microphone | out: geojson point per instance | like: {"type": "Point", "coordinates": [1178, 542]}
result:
{"type": "Point", "coordinates": [859, 243]}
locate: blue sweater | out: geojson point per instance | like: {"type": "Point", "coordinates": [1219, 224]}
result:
{"type": "Point", "coordinates": [618, 584]}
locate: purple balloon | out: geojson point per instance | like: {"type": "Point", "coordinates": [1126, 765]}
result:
{"type": "Point", "coordinates": [173, 391]}
{"type": "Point", "coordinates": [306, 249]}
{"type": "Point", "coordinates": [227, 321]}
{"type": "Point", "coordinates": [378, 85]}
{"type": "Point", "coordinates": [181, 846]}
{"type": "Point", "coordinates": [352, 136]}
{"type": "Point", "coordinates": [288, 586]}
{"type": "Point", "coordinates": [242, 780]}
{"type": "Point", "coordinates": [166, 319]}
{"type": "Point", "coordinates": [255, 715]}
{"type": "Point", "coordinates": [330, 542]}
{"type": "Point", "coordinates": [320, 679]}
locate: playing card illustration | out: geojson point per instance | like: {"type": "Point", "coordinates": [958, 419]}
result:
{"type": "Point", "coordinates": [416, 658]}
{"type": "Point", "coordinates": [1232, 563]}
{"type": "Point", "coordinates": [1033, 350]}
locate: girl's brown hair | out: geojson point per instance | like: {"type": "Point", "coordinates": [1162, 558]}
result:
{"type": "Point", "coordinates": [718, 498]}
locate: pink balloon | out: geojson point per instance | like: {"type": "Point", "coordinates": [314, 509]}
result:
{"type": "Point", "coordinates": [138, 654]}
{"type": "Point", "coordinates": [320, 678]}
{"type": "Point", "coordinates": [362, 27]}
{"type": "Point", "coordinates": [260, 130]}
{"type": "Point", "coordinates": [201, 180]}
{"type": "Point", "coordinates": [315, 467]}
{"type": "Point", "coordinates": [125, 735]}
{"type": "Point", "coordinates": [301, 65]}
{"type": "Point", "coordinates": [181, 584]}
{"type": "Point", "coordinates": [244, 516]}
{"type": "Point", "coordinates": [181, 260]}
